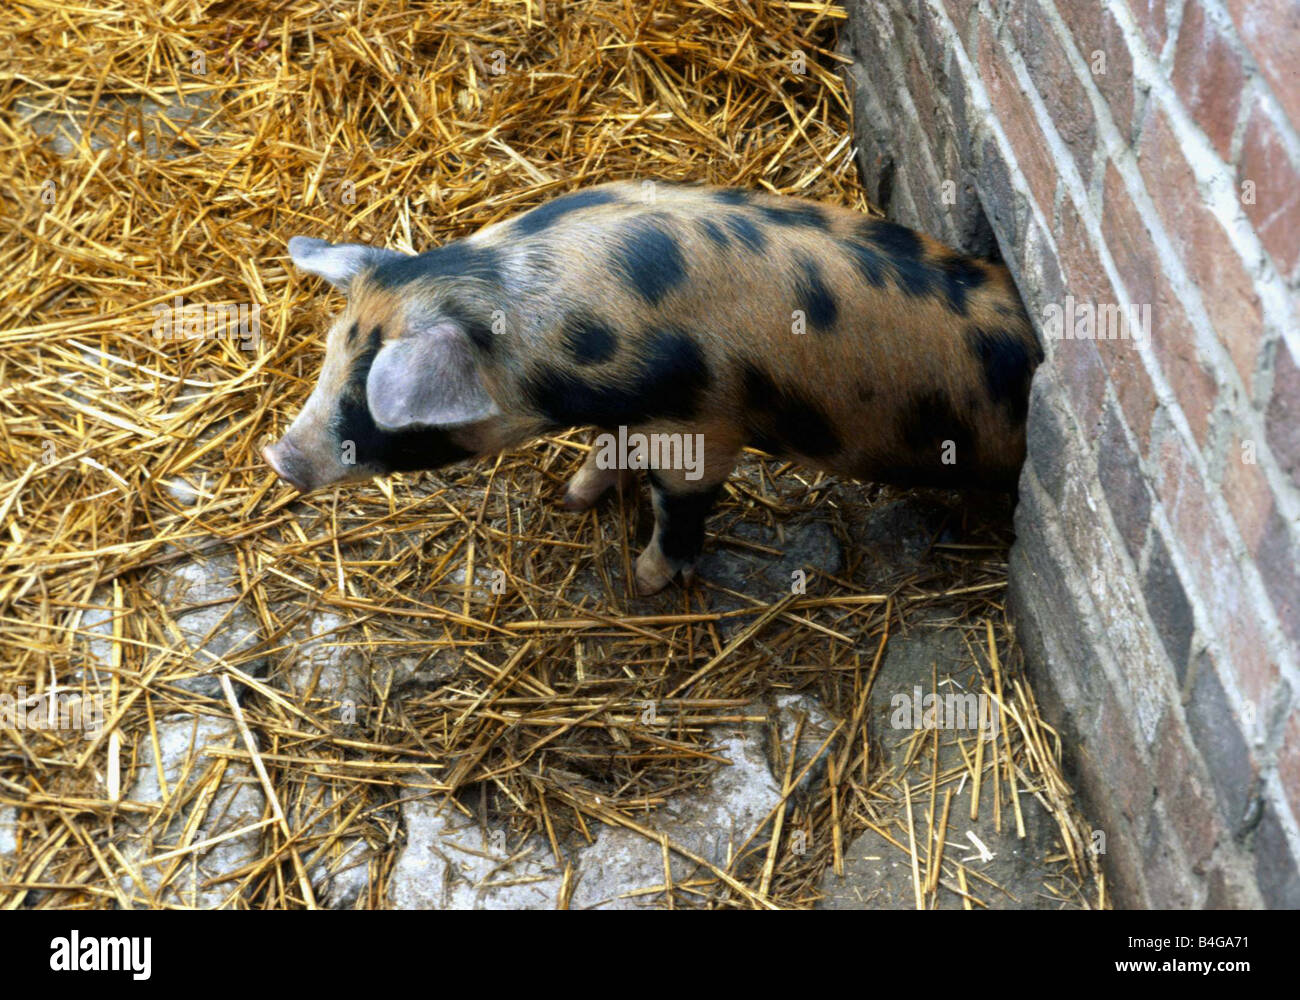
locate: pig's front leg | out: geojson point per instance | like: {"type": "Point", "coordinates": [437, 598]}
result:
{"type": "Point", "coordinates": [590, 482]}
{"type": "Point", "coordinates": [681, 506]}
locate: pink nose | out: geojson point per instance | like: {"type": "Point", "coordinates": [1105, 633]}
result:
{"type": "Point", "coordinates": [280, 458]}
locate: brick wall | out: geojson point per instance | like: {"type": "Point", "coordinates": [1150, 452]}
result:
{"type": "Point", "coordinates": [1135, 153]}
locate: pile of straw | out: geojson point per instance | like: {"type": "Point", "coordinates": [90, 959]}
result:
{"type": "Point", "coordinates": [149, 154]}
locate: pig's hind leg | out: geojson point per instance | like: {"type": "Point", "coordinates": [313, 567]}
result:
{"type": "Point", "coordinates": [590, 482]}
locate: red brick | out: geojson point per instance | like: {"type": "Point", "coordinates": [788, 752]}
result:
{"type": "Point", "coordinates": [1165, 870]}
{"type": "Point", "coordinates": [1288, 763]}
{"type": "Point", "coordinates": [1137, 260]}
{"type": "Point", "coordinates": [1270, 29]}
{"type": "Point", "coordinates": [1084, 379]}
{"type": "Point", "coordinates": [1189, 804]}
{"type": "Point", "coordinates": [920, 87]}
{"type": "Point", "coordinates": [1222, 736]}
{"type": "Point", "coordinates": [1119, 473]}
{"type": "Point", "coordinates": [1276, 179]}
{"type": "Point", "coordinates": [1150, 17]}
{"type": "Point", "coordinates": [1208, 75]}
{"type": "Point", "coordinates": [1016, 117]}
{"type": "Point", "coordinates": [1050, 69]}
{"type": "Point", "coordinates": [959, 12]}
{"type": "Point", "coordinates": [1188, 506]}
{"type": "Point", "coordinates": [1118, 756]}
{"type": "Point", "coordinates": [1133, 386]}
{"type": "Point", "coordinates": [1282, 419]}
{"type": "Point", "coordinates": [1248, 658]}
{"type": "Point", "coordinates": [1085, 277]}
{"type": "Point", "coordinates": [1129, 240]}
{"type": "Point", "coordinates": [1245, 489]}
{"type": "Point", "coordinates": [1095, 30]}
{"type": "Point", "coordinates": [1215, 573]}
{"type": "Point", "coordinates": [1212, 262]}
{"type": "Point", "coordinates": [1193, 385]}
{"type": "Point", "coordinates": [1278, 559]}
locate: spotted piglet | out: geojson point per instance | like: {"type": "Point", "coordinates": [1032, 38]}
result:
{"type": "Point", "coordinates": [678, 321]}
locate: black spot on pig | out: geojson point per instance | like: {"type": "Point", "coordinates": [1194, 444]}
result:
{"type": "Point", "coordinates": [674, 369]}
{"type": "Point", "coordinates": [680, 518]}
{"type": "Point", "coordinates": [781, 215]}
{"type": "Point", "coordinates": [868, 259]}
{"type": "Point", "coordinates": [356, 381]}
{"type": "Point", "coordinates": [544, 215]}
{"type": "Point", "coordinates": [715, 234]}
{"type": "Point", "coordinates": [587, 339]}
{"type": "Point", "coordinates": [353, 335]}
{"type": "Point", "coordinates": [782, 421]}
{"type": "Point", "coordinates": [929, 419]}
{"type": "Point", "coordinates": [746, 232]}
{"type": "Point", "coordinates": [455, 260]}
{"type": "Point", "coordinates": [411, 450]}
{"type": "Point", "coordinates": [1008, 362]}
{"type": "Point", "coordinates": [814, 298]}
{"type": "Point", "coordinates": [794, 215]}
{"type": "Point", "coordinates": [649, 259]}
{"type": "Point", "coordinates": [898, 242]}
{"type": "Point", "coordinates": [905, 254]}
{"type": "Point", "coordinates": [958, 276]}
{"type": "Point", "coordinates": [669, 379]}
{"type": "Point", "coordinates": [353, 422]}
{"type": "Point", "coordinates": [391, 451]}
{"type": "Point", "coordinates": [938, 441]}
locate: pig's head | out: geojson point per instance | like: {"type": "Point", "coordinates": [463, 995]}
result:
{"type": "Point", "coordinates": [399, 389]}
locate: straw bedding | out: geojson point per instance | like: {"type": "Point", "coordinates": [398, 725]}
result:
{"type": "Point", "coordinates": [169, 151]}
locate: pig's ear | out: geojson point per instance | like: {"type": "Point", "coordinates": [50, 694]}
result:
{"type": "Point", "coordinates": [427, 377]}
{"type": "Point", "coordinates": [337, 264]}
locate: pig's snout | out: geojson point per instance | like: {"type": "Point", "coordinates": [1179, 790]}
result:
{"type": "Point", "coordinates": [289, 464]}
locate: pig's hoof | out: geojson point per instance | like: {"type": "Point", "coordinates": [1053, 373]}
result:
{"type": "Point", "coordinates": [573, 500]}
{"type": "Point", "coordinates": [585, 489]}
{"type": "Point", "coordinates": [654, 572]}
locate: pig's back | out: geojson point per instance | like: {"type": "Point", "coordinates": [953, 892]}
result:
{"type": "Point", "coordinates": [847, 342]}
